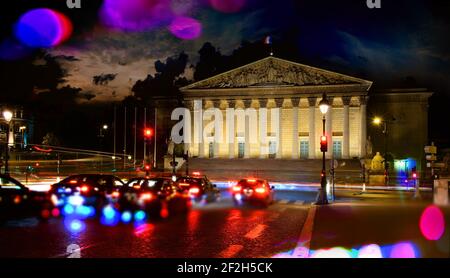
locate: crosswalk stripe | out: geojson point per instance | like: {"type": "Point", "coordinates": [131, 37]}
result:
{"type": "Point", "coordinates": [256, 232]}
{"type": "Point", "coordinates": [299, 203]}
{"type": "Point", "coordinates": [231, 251]}
{"type": "Point", "coordinates": [283, 201]}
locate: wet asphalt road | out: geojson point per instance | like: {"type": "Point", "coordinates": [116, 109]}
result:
{"type": "Point", "coordinates": [214, 230]}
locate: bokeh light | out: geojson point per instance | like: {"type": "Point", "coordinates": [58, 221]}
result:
{"type": "Point", "coordinates": [403, 250]}
{"type": "Point", "coordinates": [140, 216]}
{"type": "Point", "coordinates": [126, 217]}
{"type": "Point", "coordinates": [432, 223]}
{"type": "Point", "coordinates": [182, 7]}
{"type": "Point", "coordinates": [74, 225]}
{"type": "Point", "coordinates": [227, 6]}
{"type": "Point", "coordinates": [186, 28]}
{"type": "Point", "coordinates": [11, 50]}
{"type": "Point", "coordinates": [336, 252]}
{"type": "Point", "coordinates": [372, 251]}
{"type": "Point", "coordinates": [110, 216]}
{"type": "Point", "coordinates": [135, 15]}
{"type": "Point", "coordinates": [43, 28]}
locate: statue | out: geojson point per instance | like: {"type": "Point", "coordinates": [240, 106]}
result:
{"type": "Point", "coordinates": [377, 163]}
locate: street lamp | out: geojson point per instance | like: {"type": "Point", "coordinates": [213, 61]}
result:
{"type": "Point", "coordinates": [101, 135]}
{"type": "Point", "coordinates": [322, 199]}
{"type": "Point", "coordinates": [8, 117]}
{"type": "Point", "coordinates": [378, 122]}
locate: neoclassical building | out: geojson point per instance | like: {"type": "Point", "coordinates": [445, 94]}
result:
{"type": "Point", "coordinates": [296, 90]}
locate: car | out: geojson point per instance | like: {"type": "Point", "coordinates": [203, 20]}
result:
{"type": "Point", "coordinates": [90, 190]}
{"type": "Point", "coordinates": [253, 191]}
{"type": "Point", "coordinates": [199, 188]}
{"type": "Point", "coordinates": [158, 197]}
{"type": "Point", "coordinates": [18, 201]}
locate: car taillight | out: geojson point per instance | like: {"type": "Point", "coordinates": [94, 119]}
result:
{"type": "Point", "coordinates": [184, 184]}
{"type": "Point", "coordinates": [237, 188]}
{"type": "Point", "coordinates": [115, 194]}
{"type": "Point", "coordinates": [84, 189]}
{"type": "Point", "coordinates": [260, 190]}
{"type": "Point", "coordinates": [194, 190]}
{"type": "Point", "coordinates": [146, 196]}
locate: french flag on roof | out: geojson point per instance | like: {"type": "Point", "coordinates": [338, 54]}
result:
{"type": "Point", "coordinates": [268, 40]}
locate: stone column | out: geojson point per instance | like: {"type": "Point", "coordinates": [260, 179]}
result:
{"type": "Point", "coordinates": [363, 119]}
{"type": "Point", "coordinates": [198, 127]}
{"type": "Point", "coordinates": [231, 133]}
{"type": "Point", "coordinates": [312, 127]}
{"type": "Point", "coordinates": [279, 102]}
{"type": "Point", "coordinates": [188, 145]}
{"type": "Point", "coordinates": [263, 149]}
{"type": "Point", "coordinates": [295, 143]}
{"type": "Point", "coordinates": [329, 128]}
{"type": "Point", "coordinates": [216, 104]}
{"type": "Point", "coordinates": [247, 104]}
{"type": "Point", "coordinates": [346, 129]}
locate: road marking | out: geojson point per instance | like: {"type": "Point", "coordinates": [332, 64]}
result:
{"type": "Point", "coordinates": [274, 216]}
{"type": "Point", "coordinates": [299, 203]}
{"type": "Point", "coordinates": [231, 251]}
{"type": "Point", "coordinates": [256, 232]}
{"type": "Point", "coordinates": [283, 202]}
{"type": "Point", "coordinates": [283, 209]}
{"type": "Point", "coordinates": [304, 241]}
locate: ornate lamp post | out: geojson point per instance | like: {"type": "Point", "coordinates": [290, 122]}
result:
{"type": "Point", "coordinates": [322, 199]}
{"type": "Point", "coordinates": [378, 122]}
{"type": "Point", "coordinates": [8, 117]}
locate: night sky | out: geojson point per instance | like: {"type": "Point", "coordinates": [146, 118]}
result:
{"type": "Point", "coordinates": [405, 43]}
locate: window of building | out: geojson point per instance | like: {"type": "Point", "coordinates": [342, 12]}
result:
{"type": "Point", "coordinates": [304, 149]}
{"type": "Point", "coordinates": [272, 149]}
{"type": "Point", "coordinates": [337, 149]}
{"type": "Point", "coordinates": [241, 150]}
{"type": "Point", "coordinates": [211, 150]}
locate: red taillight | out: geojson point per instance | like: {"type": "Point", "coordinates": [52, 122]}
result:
{"type": "Point", "coordinates": [194, 190]}
{"type": "Point", "coordinates": [184, 184]}
{"type": "Point", "coordinates": [251, 180]}
{"type": "Point", "coordinates": [146, 196]}
{"type": "Point", "coordinates": [237, 188]}
{"type": "Point", "coordinates": [115, 194]}
{"type": "Point", "coordinates": [196, 173]}
{"type": "Point", "coordinates": [84, 189]}
{"type": "Point", "coordinates": [260, 190]}
{"type": "Point", "coordinates": [73, 181]}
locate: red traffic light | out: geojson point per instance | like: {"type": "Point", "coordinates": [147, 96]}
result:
{"type": "Point", "coordinates": [147, 167]}
{"type": "Point", "coordinates": [148, 133]}
{"type": "Point", "coordinates": [323, 144]}
{"type": "Point", "coordinates": [414, 175]}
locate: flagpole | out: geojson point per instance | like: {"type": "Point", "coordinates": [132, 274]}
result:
{"type": "Point", "coordinates": [125, 138]}
{"type": "Point", "coordinates": [135, 132]}
{"type": "Point", "coordinates": [154, 141]}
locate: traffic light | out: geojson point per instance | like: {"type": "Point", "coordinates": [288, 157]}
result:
{"type": "Point", "coordinates": [148, 133]}
{"type": "Point", "coordinates": [147, 167]}
{"type": "Point", "coordinates": [414, 173]}
{"type": "Point", "coordinates": [323, 144]}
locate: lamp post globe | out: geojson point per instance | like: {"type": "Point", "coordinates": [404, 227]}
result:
{"type": "Point", "coordinates": [322, 199]}
{"type": "Point", "coordinates": [8, 115]}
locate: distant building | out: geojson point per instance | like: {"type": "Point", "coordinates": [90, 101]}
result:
{"type": "Point", "coordinates": [296, 90]}
{"type": "Point", "coordinates": [20, 127]}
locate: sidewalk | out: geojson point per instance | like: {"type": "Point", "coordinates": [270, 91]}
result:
{"type": "Point", "coordinates": [390, 228]}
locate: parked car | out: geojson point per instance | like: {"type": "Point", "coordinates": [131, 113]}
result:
{"type": "Point", "coordinates": [18, 201]}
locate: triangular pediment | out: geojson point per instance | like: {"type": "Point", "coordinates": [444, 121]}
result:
{"type": "Point", "coordinates": [275, 72]}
